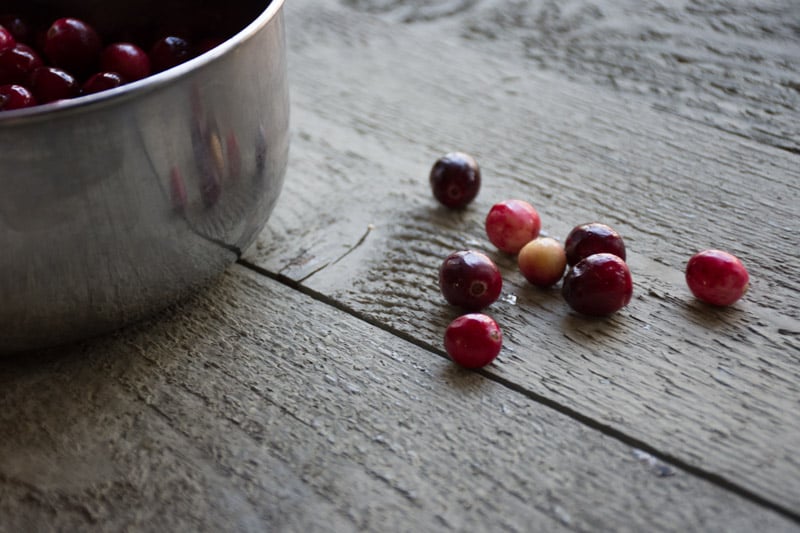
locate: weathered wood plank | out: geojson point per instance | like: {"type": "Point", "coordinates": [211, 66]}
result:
{"type": "Point", "coordinates": [376, 102]}
{"type": "Point", "coordinates": [236, 412]}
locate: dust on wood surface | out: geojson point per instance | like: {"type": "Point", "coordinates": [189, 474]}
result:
{"type": "Point", "coordinates": [377, 100]}
{"type": "Point", "coordinates": [235, 412]}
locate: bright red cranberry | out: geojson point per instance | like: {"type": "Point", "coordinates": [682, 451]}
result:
{"type": "Point", "coordinates": [15, 97]}
{"type": "Point", "coordinates": [592, 238]}
{"type": "Point", "coordinates": [542, 261]}
{"type": "Point", "coordinates": [7, 39]}
{"type": "Point", "coordinates": [470, 280]}
{"type": "Point", "coordinates": [102, 81]}
{"type": "Point", "coordinates": [73, 45]}
{"type": "Point", "coordinates": [473, 340]}
{"type": "Point", "coordinates": [455, 179]}
{"type": "Point", "coordinates": [49, 84]}
{"type": "Point", "coordinates": [126, 59]}
{"type": "Point", "coordinates": [168, 52]}
{"type": "Point", "coordinates": [18, 28]}
{"type": "Point", "coordinates": [717, 277]}
{"type": "Point", "coordinates": [598, 285]}
{"type": "Point", "coordinates": [17, 63]}
{"type": "Point", "coordinates": [511, 224]}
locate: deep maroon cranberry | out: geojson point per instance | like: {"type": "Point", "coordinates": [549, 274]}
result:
{"type": "Point", "coordinates": [49, 84]}
{"type": "Point", "coordinates": [15, 97]}
{"type": "Point", "coordinates": [102, 81]}
{"type": "Point", "coordinates": [126, 59]}
{"type": "Point", "coordinates": [598, 285]}
{"type": "Point", "coordinates": [73, 45]}
{"type": "Point", "coordinates": [19, 29]}
{"type": "Point", "coordinates": [168, 52]}
{"type": "Point", "coordinates": [473, 340]}
{"type": "Point", "coordinates": [17, 63]}
{"type": "Point", "coordinates": [7, 39]}
{"type": "Point", "coordinates": [511, 224]}
{"type": "Point", "coordinates": [717, 277]}
{"type": "Point", "coordinates": [470, 280]}
{"type": "Point", "coordinates": [592, 238]}
{"type": "Point", "coordinates": [455, 179]}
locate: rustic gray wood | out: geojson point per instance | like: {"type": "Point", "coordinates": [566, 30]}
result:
{"type": "Point", "coordinates": [236, 412]}
{"type": "Point", "coordinates": [376, 101]}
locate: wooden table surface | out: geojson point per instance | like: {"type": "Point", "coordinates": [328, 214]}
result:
{"type": "Point", "coordinates": [307, 389]}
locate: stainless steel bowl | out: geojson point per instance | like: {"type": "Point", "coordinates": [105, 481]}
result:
{"type": "Point", "coordinates": [116, 204]}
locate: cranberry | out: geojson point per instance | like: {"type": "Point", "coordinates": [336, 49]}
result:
{"type": "Point", "coordinates": [208, 44]}
{"type": "Point", "coordinates": [73, 45]}
{"type": "Point", "coordinates": [15, 97]}
{"type": "Point", "coordinates": [102, 81]}
{"type": "Point", "coordinates": [598, 285]}
{"type": "Point", "coordinates": [126, 59]}
{"type": "Point", "coordinates": [542, 261]}
{"type": "Point", "coordinates": [18, 28]}
{"type": "Point", "coordinates": [511, 224]}
{"type": "Point", "coordinates": [455, 179]}
{"type": "Point", "coordinates": [470, 280]}
{"type": "Point", "coordinates": [49, 84]}
{"type": "Point", "coordinates": [168, 52]}
{"type": "Point", "coordinates": [17, 63]}
{"type": "Point", "coordinates": [473, 341]}
{"type": "Point", "coordinates": [7, 39]}
{"type": "Point", "coordinates": [593, 238]}
{"type": "Point", "coordinates": [717, 277]}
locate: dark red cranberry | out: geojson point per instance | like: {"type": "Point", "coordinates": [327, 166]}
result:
{"type": "Point", "coordinates": [102, 81]}
{"type": "Point", "coordinates": [593, 238]}
{"type": "Point", "coordinates": [73, 45]}
{"type": "Point", "coordinates": [470, 280]}
{"type": "Point", "coordinates": [473, 340]}
{"type": "Point", "coordinates": [717, 277]}
{"type": "Point", "coordinates": [598, 285]}
{"type": "Point", "coordinates": [18, 27]}
{"type": "Point", "coordinates": [126, 59]}
{"type": "Point", "coordinates": [207, 44]}
{"type": "Point", "coordinates": [169, 52]}
{"type": "Point", "coordinates": [7, 39]}
{"type": "Point", "coordinates": [17, 63]}
{"type": "Point", "coordinates": [49, 84]}
{"type": "Point", "coordinates": [455, 179]}
{"type": "Point", "coordinates": [15, 97]}
{"type": "Point", "coordinates": [511, 224]}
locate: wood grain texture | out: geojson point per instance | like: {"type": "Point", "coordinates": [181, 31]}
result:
{"type": "Point", "coordinates": [375, 102]}
{"type": "Point", "coordinates": [235, 412]}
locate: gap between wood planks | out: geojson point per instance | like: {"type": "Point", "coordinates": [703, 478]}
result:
{"type": "Point", "coordinates": [711, 477]}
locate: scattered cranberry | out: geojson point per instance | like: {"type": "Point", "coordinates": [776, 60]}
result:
{"type": "Point", "coordinates": [49, 84]}
{"type": "Point", "coordinates": [717, 277]}
{"type": "Point", "coordinates": [126, 59]}
{"type": "Point", "coordinates": [73, 45]}
{"type": "Point", "coordinates": [473, 340]}
{"type": "Point", "coordinates": [511, 224]}
{"type": "Point", "coordinates": [168, 52]}
{"type": "Point", "coordinates": [593, 238]}
{"type": "Point", "coordinates": [542, 261]}
{"type": "Point", "coordinates": [102, 81]}
{"type": "Point", "coordinates": [7, 39]}
{"type": "Point", "coordinates": [470, 280]}
{"type": "Point", "coordinates": [598, 285]}
{"type": "Point", "coordinates": [455, 179]}
{"type": "Point", "coordinates": [15, 97]}
{"type": "Point", "coordinates": [17, 63]}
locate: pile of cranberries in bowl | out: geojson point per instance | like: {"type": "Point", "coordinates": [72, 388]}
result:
{"type": "Point", "coordinates": [595, 279]}
{"type": "Point", "coordinates": [67, 57]}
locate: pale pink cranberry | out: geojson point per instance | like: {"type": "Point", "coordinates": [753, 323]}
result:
{"type": "Point", "coordinates": [542, 261]}
{"type": "Point", "coordinates": [598, 285]}
{"type": "Point", "coordinates": [16, 64]}
{"type": "Point", "coordinates": [455, 179]}
{"type": "Point", "coordinates": [7, 39]}
{"type": "Point", "coordinates": [473, 340]}
{"type": "Point", "coordinates": [169, 52]}
{"type": "Point", "coordinates": [717, 277]}
{"type": "Point", "coordinates": [126, 59]}
{"type": "Point", "coordinates": [470, 280]}
{"type": "Point", "coordinates": [49, 84]}
{"type": "Point", "coordinates": [102, 81]}
{"type": "Point", "coordinates": [592, 238]}
{"type": "Point", "coordinates": [15, 97]}
{"type": "Point", "coordinates": [73, 45]}
{"type": "Point", "coordinates": [511, 224]}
